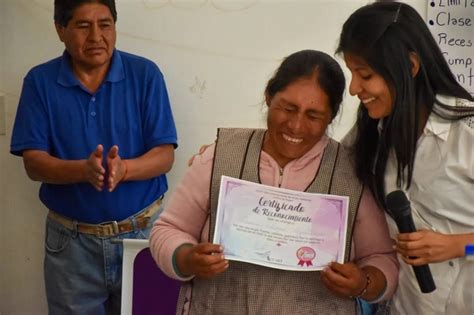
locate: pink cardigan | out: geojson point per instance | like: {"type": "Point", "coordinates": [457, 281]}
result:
{"type": "Point", "coordinates": [185, 217]}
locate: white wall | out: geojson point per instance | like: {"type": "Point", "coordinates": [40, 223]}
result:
{"type": "Point", "coordinates": [216, 56]}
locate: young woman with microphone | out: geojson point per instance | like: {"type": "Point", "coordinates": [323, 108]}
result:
{"type": "Point", "coordinates": [414, 132]}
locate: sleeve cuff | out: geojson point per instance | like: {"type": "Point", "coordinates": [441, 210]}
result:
{"type": "Point", "coordinates": [175, 265]}
{"type": "Point", "coordinates": [379, 297]}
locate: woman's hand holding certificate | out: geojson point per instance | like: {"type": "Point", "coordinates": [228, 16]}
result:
{"type": "Point", "coordinates": [204, 260]}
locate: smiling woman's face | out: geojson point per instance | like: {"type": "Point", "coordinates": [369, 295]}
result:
{"type": "Point", "coordinates": [297, 119]}
{"type": "Point", "coordinates": [370, 87]}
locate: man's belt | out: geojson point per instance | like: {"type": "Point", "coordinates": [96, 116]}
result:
{"type": "Point", "coordinates": [109, 228]}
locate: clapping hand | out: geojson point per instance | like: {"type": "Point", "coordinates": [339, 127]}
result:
{"type": "Point", "coordinates": [117, 168]}
{"type": "Point", "coordinates": [95, 172]}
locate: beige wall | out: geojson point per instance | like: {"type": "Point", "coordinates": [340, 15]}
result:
{"type": "Point", "coordinates": [216, 56]}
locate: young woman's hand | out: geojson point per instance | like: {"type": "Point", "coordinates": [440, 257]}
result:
{"type": "Point", "coordinates": [426, 246]}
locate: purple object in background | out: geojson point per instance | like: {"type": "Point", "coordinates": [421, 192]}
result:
{"type": "Point", "coordinates": [153, 291]}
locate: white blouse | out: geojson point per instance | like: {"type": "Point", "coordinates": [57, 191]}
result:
{"type": "Point", "coordinates": [442, 199]}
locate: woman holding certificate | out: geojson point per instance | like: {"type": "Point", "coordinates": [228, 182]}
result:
{"type": "Point", "coordinates": [293, 154]}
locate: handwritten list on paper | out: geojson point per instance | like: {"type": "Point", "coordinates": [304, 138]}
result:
{"type": "Point", "coordinates": [452, 24]}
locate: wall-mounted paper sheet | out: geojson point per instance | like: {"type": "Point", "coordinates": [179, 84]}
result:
{"type": "Point", "coordinates": [452, 24]}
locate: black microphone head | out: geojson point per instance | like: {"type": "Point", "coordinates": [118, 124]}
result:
{"type": "Point", "coordinates": [398, 203]}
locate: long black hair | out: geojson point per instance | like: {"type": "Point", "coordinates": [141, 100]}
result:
{"type": "Point", "coordinates": [385, 35]}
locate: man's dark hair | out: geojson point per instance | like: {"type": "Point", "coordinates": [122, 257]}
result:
{"type": "Point", "coordinates": [64, 9]}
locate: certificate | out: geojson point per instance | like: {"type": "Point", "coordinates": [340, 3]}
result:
{"type": "Point", "coordinates": [280, 228]}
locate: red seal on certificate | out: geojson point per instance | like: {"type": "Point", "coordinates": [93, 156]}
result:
{"type": "Point", "coordinates": [305, 255]}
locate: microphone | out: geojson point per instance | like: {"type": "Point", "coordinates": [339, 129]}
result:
{"type": "Point", "coordinates": [399, 206]}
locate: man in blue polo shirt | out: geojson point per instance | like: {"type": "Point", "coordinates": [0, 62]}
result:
{"type": "Point", "coordinates": [95, 127]}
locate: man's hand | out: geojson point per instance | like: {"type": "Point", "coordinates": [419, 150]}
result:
{"type": "Point", "coordinates": [117, 168]}
{"type": "Point", "coordinates": [95, 172]}
{"type": "Point", "coordinates": [203, 260]}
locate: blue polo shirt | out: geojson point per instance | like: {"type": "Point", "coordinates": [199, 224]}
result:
{"type": "Point", "coordinates": [58, 115]}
